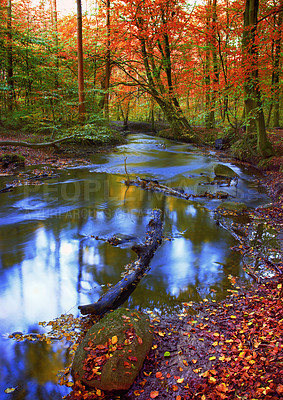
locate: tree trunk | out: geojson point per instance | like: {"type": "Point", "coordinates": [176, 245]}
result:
{"type": "Point", "coordinates": [54, 20]}
{"type": "Point", "coordinates": [119, 293]}
{"type": "Point", "coordinates": [80, 62]}
{"type": "Point", "coordinates": [253, 104]}
{"type": "Point", "coordinates": [108, 62]}
{"type": "Point", "coordinates": [209, 113]}
{"type": "Point", "coordinates": [10, 79]}
{"type": "Point", "coordinates": [277, 69]}
{"type": "Point", "coordinates": [214, 62]}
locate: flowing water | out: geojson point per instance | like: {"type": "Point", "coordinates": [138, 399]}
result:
{"type": "Point", "coordinates": [51, 261]}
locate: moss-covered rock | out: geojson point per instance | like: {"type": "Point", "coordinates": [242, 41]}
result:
{"type": "Point", "coordinates": [223, 171]}
{"type": "Point", "coordinates": [233, 206]}
{"type": "Point", "coordinates": [14, 160]}
{"type": "Point", "coordinates": [113, 351]}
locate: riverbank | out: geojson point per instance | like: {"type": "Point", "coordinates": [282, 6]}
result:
{"type": "Point", "coordinates": [209, 348]}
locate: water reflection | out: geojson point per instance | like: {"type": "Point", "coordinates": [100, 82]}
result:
{"type": "Point", "coordinates": [51, 262]}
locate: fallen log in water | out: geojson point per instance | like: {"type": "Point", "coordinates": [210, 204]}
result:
{"type": "Point", "coordinates": [119, 293]}
{"type": "Point", "coordinates": [154, 186]}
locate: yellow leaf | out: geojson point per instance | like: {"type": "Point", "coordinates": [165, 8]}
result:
{"type": "Point", "coordinates": [181, 380]}
{"type": "Point", "coordinates": [212, 380]}
{"type": "Point", "coordinates": [9, 390]}
{"type": "Point", "coordinates": [212, 358]}
{"type": "Point", "coordinates": [114, 339]}
{"type": "Point", "coordinates": [233, 317]}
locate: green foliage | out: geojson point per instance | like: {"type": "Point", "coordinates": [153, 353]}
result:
{"type": "Point", "coordinates": [94, 134]}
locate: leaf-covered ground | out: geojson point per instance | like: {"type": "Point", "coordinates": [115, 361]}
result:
{"type": "Point", "coordinates": [229, 350]}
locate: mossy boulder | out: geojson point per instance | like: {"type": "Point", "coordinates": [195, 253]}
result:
{"type": "Point", "coordinates": [223, 171]}
{"type": "Point", "coordinates": [113, 351]}
{"type": "Point", "coordinates": [233, 206]}
{"type": "Point", "coordinates": [14, 160]}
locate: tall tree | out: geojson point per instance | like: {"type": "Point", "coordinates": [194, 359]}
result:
{"type": "Point", "coordinates": [277, 67]}
{"type": "Point", "coordinates": [254, 115]}
{"type": "Point", "coordinates": [54, 19]}
{"type": "Point", "coordinates": [209, 115]}
{"type": "Point", "coordinates": [10, 73]}
{"type": "Point", "coordinates": [80, 61]}
{"type": "Point", "coordinates": [154, 28]}
{"type": "Point", "coordinates": [108, 61]}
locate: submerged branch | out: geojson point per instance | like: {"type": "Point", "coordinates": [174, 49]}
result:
{"type": "Point", "coordinates": [154, 186]}
{"type": "Point", "coordinates": [119, 293]}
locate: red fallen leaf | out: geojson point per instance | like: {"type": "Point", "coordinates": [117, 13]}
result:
{"type": "Point", "coordinates": [154, 394]}
{"type": "Point", "coordinates": [139, 340]}
{"type": "Point", "coordinates": [222, 387]}
{"type": "Point", "coordinates": [158, 374]}
{"type": "Point", "coordinates": [132, 358]}
{"type": "Point", "coordinates": [174, 388]}
{"type": "Point", "coordinates": [101, 347]}
{"type": "Point", "coordinates": [127, 364]}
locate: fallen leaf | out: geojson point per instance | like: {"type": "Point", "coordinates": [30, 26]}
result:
{"type": "Point", "coordinates": [154, 394]}
{"type": "Point", "coordinates": [222, 387]}
{"type": "Point", "coordinates": [9, 390]}
{"type": "Point", "coordinates": [114, 339]}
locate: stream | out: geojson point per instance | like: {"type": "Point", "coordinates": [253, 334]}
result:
{"type": "Point", "coordinates": [51, 261]}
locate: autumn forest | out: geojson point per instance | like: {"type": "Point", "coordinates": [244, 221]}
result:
{"type": "Point", "coordinates": [141, 166]}
{"type": "Point", "coordinates": [213, 63]}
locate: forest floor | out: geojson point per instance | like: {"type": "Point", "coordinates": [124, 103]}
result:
{"type": "Point", "coordinates": [233, 349]}
{"type": "Point", "coordinates": [228, 350]}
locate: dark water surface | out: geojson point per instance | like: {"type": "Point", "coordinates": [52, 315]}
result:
{"type": "Point", "coordinates": [50, 263]}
